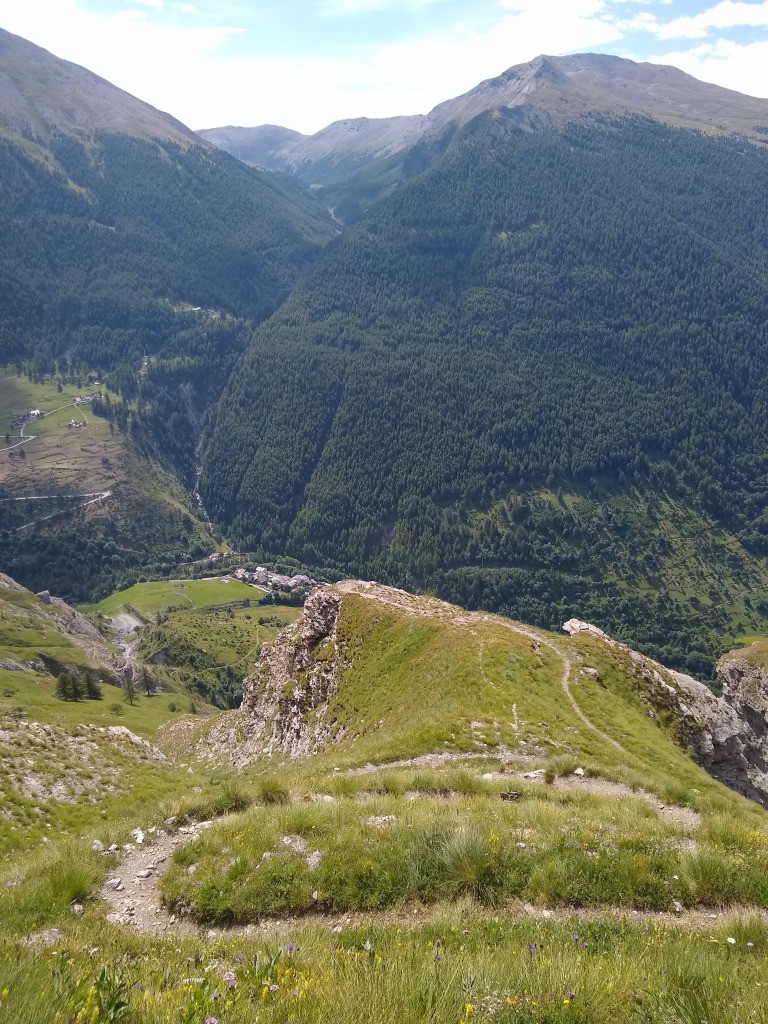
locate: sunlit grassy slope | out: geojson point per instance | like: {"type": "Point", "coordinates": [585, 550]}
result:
{"type": "Point", "coordinates": [38, 641]}
{"type": "Point", "coordinates": [474, 756]}
{"type": "Point", "coordinates": [147, 599]}
{"type": "Point", "coordinates": [427, 864]}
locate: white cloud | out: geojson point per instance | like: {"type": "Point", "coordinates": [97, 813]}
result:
{"type": "Point", "coordinates": [163, 65]}
{"type": "Point", "coordinates": [184, 71]}
{"type": "Point", "coordinates": [732, 65]}
{"type": "Point", "coordinates": [725, 15]}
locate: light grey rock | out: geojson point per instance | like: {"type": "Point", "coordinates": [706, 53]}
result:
{"type": "Point", "coordinates": [286, 700]}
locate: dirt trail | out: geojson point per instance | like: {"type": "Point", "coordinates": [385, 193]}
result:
{"type": "Point", "coordinates": [432, 607]}
{"type": "Point", "coordinates": [132, 891]}
{"type": "Point", "coordinates": [137, 904]}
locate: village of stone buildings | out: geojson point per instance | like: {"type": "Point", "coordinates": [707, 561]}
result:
{"type": "Point", "coordinates": [261, 577]}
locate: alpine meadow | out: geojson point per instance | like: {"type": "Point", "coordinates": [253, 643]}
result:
{"type": "Point", "coordinates": [384, 556]}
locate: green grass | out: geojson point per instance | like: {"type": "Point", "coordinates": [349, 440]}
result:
{"type": "Point", "coordinates": [149, 599]}
{"type": "Point", "coordinates": [19, 394]}
{"type": "Point", "coordinates": [429, 857]}
{"type": "Point", "coordinates": [756, 653]}
{"type": "Point", "coordinates": [551, 847]}
{"type": "Point", "coordinates": [215, 636]}
{"type": "Point", "coordinates": [35, 695]}
{"type": "Point", "coordinates": [460, 967]}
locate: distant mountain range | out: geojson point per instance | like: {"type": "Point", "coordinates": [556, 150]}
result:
{"type": "Point", "coordinates": [547, 91]}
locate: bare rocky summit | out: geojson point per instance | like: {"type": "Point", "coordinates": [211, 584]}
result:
{"type": "Point", "coordinates": [40, 95]}
{"type": "Point", "coordinates": [546, 92]}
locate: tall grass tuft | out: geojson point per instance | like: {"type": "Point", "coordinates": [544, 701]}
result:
{"type": "Point", "coordinates": [272, 790]}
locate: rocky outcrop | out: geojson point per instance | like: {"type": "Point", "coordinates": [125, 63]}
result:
{"type": "Point", "coordinates": [9, 584]}
{"type": "Point", "coordinates": [730, 745]}
{"type": "Point", "coordinates": [728, 735]}
{"type": "Point", "coordinates": [286, 702]}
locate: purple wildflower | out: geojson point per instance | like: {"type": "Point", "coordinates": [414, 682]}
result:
{"type": "Point", "coordinates": [216, 995]}
{"type": "Point", "coordinates": [230, 979]}
{"type": "Point", "coordinates": [290, 946]}
{"type": "Point", "coordinates": [274, 987]}
{"type": "Point", "coordinates": [571, 996]}
{"type": "Point", "coordinates": [211, 1020]}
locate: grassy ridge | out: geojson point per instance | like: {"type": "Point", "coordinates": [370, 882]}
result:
{"type": "Point", "coordinates": [640, 826]}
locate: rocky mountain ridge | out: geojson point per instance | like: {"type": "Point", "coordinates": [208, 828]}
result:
{"type": "Point", "coordinates": [42, 95]}
{"type": "Point", "coordinates": [546, 92]}
{"type": "Point", "coordinates": [290, 703]}
{"type": "Point", "coordinates": [728, 735]}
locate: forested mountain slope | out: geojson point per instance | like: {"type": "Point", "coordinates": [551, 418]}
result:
{"type": "Point", "coordinates": [530, 378]}
{"type": "Point", "coordinates": [128, 248]}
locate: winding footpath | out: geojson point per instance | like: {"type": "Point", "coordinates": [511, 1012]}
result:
{"type": "Point", "coordinates": [432, 607]}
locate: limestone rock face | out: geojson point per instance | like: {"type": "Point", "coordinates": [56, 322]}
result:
{"type": "Point", "coordinates": [285, 702]}
{"type": "Point", "coordinates": [728, 735]}
{"type": "Point", "coordinates": [729, 743]}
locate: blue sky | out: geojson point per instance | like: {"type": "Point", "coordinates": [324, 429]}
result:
{"type": "Point", "coordinates": [305, 63]}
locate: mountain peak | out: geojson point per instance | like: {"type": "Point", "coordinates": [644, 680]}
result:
{"type": "Point", "coordinates": [560, 89]}
{"type": "Point", "coordinates": [41, 94]}
{"type": "Point", "coordinates": [544, 92]}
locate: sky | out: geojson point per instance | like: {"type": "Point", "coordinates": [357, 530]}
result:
{"type": "Point", "coordinates": [306, 63]}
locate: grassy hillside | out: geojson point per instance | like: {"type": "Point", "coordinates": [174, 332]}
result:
{"type": "Point", "coordinates": [436, 714]}
{"type": "Point", "coordinates": [569, 313]}
{"type": "Point", "coordinates": [80, 506]}
{"type": "Point", "coordinates": [199, 637]}
{"type": "Point", "coordinates": [439, 859]}
{"type": "Point", "coordinates": [151, 599]}
{"type": "Point", "coordinates": [40, 641]}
